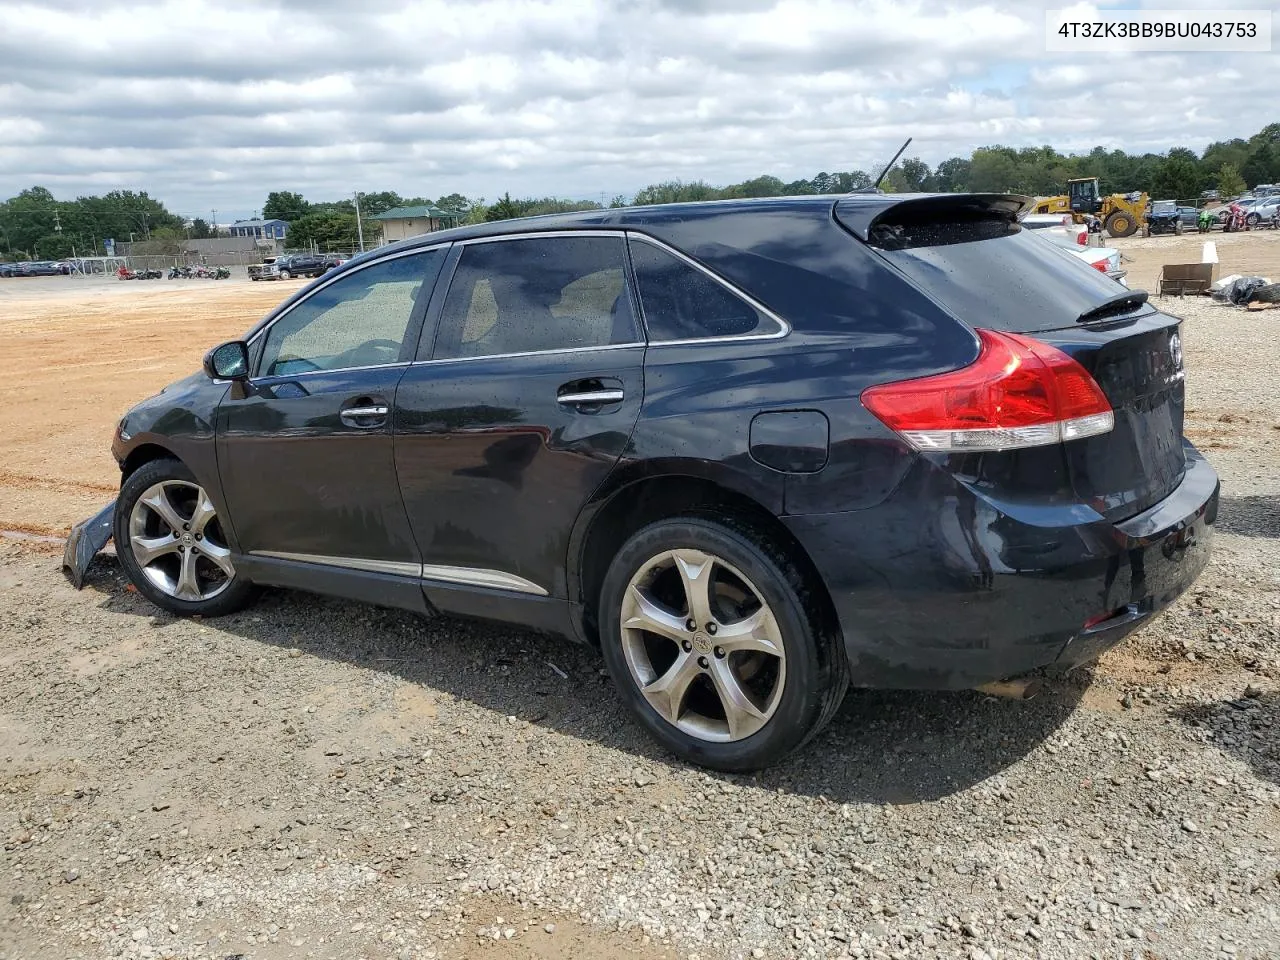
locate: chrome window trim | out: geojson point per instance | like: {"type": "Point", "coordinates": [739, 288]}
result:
{"type": "Point", "coordinates": [285, 377]}
{"type": "Point", "coordinates": [464, 576]}
{"type": "Point", "coordinates": [618, 232]}
{"type": "Point", "coordinates": [529, 353]}
{"type": "Point", "coordinates": [399, 254]}
{"type": "Point", "coordinates": [784, 328]}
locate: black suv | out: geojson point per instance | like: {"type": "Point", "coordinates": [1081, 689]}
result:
{"type": "Point", "coordinates": [755, 451]}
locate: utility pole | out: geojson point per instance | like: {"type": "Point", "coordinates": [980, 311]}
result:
{"type": "Point", "coordinates": [359, 226]}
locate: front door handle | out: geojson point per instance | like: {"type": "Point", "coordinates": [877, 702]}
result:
{"type": "Point", "coordinates": [608, 395]}
{"type": "Point", "coordinates": [365, 412]}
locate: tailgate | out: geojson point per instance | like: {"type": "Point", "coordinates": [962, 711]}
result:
{"type": "Point", "coordinates": [1140, 461]}
{"type": "Point", "coordinates": [968, 253]}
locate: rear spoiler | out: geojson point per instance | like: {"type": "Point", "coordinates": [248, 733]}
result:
{"type": "Point", "coordinates": [860, 213]}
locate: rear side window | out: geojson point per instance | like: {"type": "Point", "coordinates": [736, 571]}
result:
{"type": "Point", "coordinates": [527, 295]}
{"type": "Point", "coordinates": [996, 276]}
{"type": "Point", "coordinates": [681, 302]}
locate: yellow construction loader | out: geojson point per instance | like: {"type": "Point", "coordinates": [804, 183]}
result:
{"type": "Point", "coordinates": [1120, 213]}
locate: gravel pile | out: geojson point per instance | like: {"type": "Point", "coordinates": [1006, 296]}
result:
{"type": "Point", "coordinates": [321, 779]}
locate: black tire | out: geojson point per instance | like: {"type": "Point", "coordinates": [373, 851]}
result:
{"type": "Point", "coordinates": [1177, 228]}
{"type": "Point", "coordinates": [238, 591]}
{"type": "Point", "coordinates": [285, 275]}
{"type": "Point", "coordinates": [816, 672]}
{"type": "Point", "coordinates": [1253, 219]}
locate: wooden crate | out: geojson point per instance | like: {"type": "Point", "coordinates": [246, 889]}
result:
{"type": "Point", "coordinates": [1180, 279]}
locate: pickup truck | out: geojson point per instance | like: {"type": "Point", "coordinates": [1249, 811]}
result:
{"type": "Point", "coordinates": [266, 270]}
{"type": "Point", "coordinates": [294, 265]}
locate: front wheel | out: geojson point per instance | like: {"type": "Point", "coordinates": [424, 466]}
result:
{"type": "Point", "coordinates": [171, 543]}
{"type": "Point", "coordinates": [285, 275]}
{"type": "Point", "coordinates": [712, 648]}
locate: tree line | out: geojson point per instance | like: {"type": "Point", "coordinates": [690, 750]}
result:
{"type": "Point", "coordinates": [35, 225]}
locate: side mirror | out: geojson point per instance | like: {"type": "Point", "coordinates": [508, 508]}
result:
{"type": "Point", "coordinates": [229, 361]}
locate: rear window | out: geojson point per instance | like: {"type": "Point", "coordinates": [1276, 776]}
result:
{"type": "Point", "coordinates": [995, 274]}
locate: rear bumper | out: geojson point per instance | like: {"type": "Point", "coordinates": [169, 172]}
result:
{"type": "Point", "coordinates": [940, 587]}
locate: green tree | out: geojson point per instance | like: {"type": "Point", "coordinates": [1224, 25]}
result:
{"type": "Point", "coordinates": [457, 203]}
{"type": "Point", "coordinates": [1230, 183]}
{"type": "Point", "coordinates": [200, 230]}
{"type": "Point", "coordinates": [914, 174]}
{"type": "Point", "coordinates": [993, 170]}
{"type": "Point", "coordinates": [951, 175]}
{"type": "Point", "coordinates": [620, 200]}
{"type": "Point", "coordinates": [285, 205]}
{"type": "Point", "coordinates": [1263, 165]}
{"type": "Point", "coordinates": [326, 231]}
{"type": "Point", "coordinates": [763, 186]}
{"type": "Point", "coordinates": [56, 246]}
{"type": "Point", "coordinates": [1177, 178]}
{"type": "Point", "coordinates": [372, 204]}
{"type": "Point", "coordinates": [504, 209]}
{"type": "Point", "coordinates": [848, 182]}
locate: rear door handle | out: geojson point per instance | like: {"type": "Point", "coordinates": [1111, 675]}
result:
{"type": "Point", "coordinates": [608, 395]}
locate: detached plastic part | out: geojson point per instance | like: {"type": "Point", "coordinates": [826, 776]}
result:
{"type": "Point", "coordinates": [87, 538]}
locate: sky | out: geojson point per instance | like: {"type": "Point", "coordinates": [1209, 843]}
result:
{"type": "Point", "coordinates": [211, 105]}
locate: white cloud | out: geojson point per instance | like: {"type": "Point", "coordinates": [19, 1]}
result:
{"type": "Point", "coordinates": [214, 103]}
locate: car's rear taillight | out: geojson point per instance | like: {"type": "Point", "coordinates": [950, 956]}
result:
{"type": "Point", "coordinates": [1100, 265]}
{"type": "Point", "coordinates": [1018, 393]}
{"type": "Point", "coordinates": [1082, 238]}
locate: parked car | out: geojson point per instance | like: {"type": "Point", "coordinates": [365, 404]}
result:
{"type": "Point", "coordinates": [266, 270]}
{"type": "Point", "coordinates": [42, 268]}
{"type": "Point", "coordinates": [1058, 229]}
{"type": "Point", "coordinates": [1262, 208]}
{"type": "Point", "coordinates": [9, 269]}
{"type": "Point", "coordinates": [305, 265]}
{"type": "Point", "coordinates": [754, 450]}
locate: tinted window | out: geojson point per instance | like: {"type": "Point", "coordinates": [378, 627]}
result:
{"type": "Point", "coordinates": [540, 293]}
{"type": "Point", "coordinates": [360, 320]}
{"type": "Point", "coordinates": [1020, 281]}
{"type": "Point", "coordinates": [680, 302]}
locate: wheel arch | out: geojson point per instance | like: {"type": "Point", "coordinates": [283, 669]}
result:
{"type": "Point", "coordinates": [685, 488]}
{"type": "Point", "coordinates": [143, 454]}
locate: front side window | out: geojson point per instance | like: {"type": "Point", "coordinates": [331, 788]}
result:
{"type": "Point", "coordinates": [526, 295]}
{"type": "Point", "coordinates": [359, 320]}
{"type": "Point", "coordinates": [680, 302]}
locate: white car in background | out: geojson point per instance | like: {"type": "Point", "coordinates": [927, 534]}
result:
{"type": "Point", "coordinates": [1058, 229]}
{"type": "Point", "coordinates": [1261, 208]}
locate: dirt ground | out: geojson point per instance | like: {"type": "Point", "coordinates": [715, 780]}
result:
{"type": "Point", "coordinates": [320, 779]}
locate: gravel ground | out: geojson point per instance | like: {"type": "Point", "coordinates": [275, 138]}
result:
{"type": "Point", "coordinates": [321, 779]}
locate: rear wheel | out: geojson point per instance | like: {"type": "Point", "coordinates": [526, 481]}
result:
{"type": "Point", "coordinates": [711, 647]}
{"type": "Point", "coordinates": [171, 543]}
{"type": "Point", "coordinates": [1120, 224]}
{"type": "Point", "coordinates": [1253, 219]}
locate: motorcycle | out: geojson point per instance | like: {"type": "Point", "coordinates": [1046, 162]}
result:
{"type": "Point", "coordinates": [1235, 219]}
{"type": "Point", "coordinates": [1204, 222]}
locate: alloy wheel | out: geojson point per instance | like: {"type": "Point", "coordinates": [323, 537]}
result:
{"type": "Point", "coordinates": [702, 645]}
{"type": "Point", "coordinates": [178, 543]}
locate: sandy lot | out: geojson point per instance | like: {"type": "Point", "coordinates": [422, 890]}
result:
{"type": "Point", "coordinates": [319, 779]}
{"type": "Point", "coordinates": [78, 353]}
